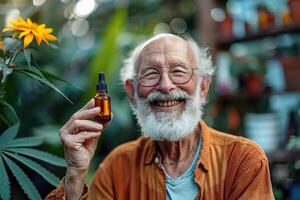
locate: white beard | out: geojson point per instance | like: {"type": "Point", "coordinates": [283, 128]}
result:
{"type": "Point", "coordinates": [169, 126]}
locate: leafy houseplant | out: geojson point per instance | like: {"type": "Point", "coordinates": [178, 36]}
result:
{"type": "Point", "coordinates": [12, 148]}
{"type": "Point", "coordinates": [18, 39]}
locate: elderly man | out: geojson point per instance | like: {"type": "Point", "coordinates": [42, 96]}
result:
{"type": "Point", "coordinates": [178, 156]}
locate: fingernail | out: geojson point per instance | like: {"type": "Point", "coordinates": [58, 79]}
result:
{"type": "Point", "coordinates": [77, 147]}
{"type": "Point", "coordinates": [97, 109]}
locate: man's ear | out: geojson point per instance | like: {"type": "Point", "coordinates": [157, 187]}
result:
{"type": "Point", "coordinates": [129, 88]}
{"type": "Point", "coordinates": [205, 84]}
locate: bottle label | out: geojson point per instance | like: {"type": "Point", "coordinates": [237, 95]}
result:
{"type": "Point", "coordinates": [106, 108]}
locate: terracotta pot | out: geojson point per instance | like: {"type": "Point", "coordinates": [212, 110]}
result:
{"type": "Point", "coordinates": [291, 67]}
{"type": "Point", "coordinates": [295, 10]}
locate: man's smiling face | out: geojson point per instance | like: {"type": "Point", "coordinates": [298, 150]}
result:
{"type": "Point", "coordinates": [167, 54]}
{"type": "Point", "coordinates": [166, 110]}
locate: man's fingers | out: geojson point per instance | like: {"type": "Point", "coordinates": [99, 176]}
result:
{"type": "Point", "coordinates": [76, 141]}
{"type": "Point", "coordinates": [86, 125]}
{"type": "Point", "coordinates": [86, 114]}
{"type": "Point", "coordinates": [90, 104]}
{"type": "Point", "coordinates": [83, 114]}
{"type": "Point", "coordinates": [86, 135]}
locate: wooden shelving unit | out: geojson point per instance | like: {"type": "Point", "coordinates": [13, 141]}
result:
{"type": "Point", "coordinates": [225, 43]}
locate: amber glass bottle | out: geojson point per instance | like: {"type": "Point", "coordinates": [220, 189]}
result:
{"type": "Point", "coordinates": [102, 100]}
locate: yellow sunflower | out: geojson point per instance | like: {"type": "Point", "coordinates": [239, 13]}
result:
{"type": "Point", "coordinates": [30, 30]}
{"type": "Point", "coordinates": [44, 34]}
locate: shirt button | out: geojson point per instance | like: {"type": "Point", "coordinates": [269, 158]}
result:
{"type": "Point", "coordinates": [156, 160]}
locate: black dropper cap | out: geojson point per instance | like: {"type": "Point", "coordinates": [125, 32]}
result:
{"type": "Point", "coordinates": [101, 85]}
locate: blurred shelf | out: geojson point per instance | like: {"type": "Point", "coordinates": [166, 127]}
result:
{"type": "Point", "coordinates": [242, 97]}
{"type": "Point", "coordinates": [283, 156]}
{"type": "Point", "coordinates": [225, 43]}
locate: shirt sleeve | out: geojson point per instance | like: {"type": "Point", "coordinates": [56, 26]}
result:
{"type": "Point", "coordinates": [60, 193]}
{"type": "Point", "coordinates": [252, 181]}
{"type": "Point", "coordinates": [102, 186]}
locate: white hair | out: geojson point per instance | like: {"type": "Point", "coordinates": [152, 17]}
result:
{"type": "Point", "coordinates": [202, 56]}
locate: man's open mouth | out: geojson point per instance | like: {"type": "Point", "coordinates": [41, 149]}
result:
{"type": "Point", "coordinates": [167, 103]}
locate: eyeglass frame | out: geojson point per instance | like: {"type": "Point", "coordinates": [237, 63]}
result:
{"type": "Point", "coordinates": [192, 73]}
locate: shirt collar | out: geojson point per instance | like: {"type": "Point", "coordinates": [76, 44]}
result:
{"type": "Point", "coordinates": [152, 150]}
{"type": "Point", "coordinates": [205, 152]}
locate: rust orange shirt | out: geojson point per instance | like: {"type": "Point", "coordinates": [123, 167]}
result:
{"type": "Point", "coordinates": [229, 167]}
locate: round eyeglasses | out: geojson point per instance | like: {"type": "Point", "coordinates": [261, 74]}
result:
{"type": "Point", "coordinates": [150, 76]}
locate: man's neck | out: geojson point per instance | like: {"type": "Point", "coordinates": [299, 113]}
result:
{"type": "Point", "coordinates": [178, 156]}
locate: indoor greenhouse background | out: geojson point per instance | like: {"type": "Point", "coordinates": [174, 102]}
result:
{"type": "Point", "coordinates": [255, 46]}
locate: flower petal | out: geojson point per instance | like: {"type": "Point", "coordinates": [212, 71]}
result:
{"type": "Point", "coordinates": [6, 29]}
{"type": "Point", "coordinates": [46, 41]}
{"type": "Point", "coordinates": [35, 32]}
{"type": "Point", "coordinates": [41, 26]}
{"type": "Point", "coordinates": [29, 22]}
{"type": "Point", "coordinates": [48, 30]}
{"type": "Point", "coordinates": [50, 37]}
{"type": "Point", "coordinates": [28, 39]}
{"type": "Point", "coordinates": [24, 33]}
{"type": "Point", "coordinates": [20, 19]}
{"type": "Point", "coordinates": [38, 39]}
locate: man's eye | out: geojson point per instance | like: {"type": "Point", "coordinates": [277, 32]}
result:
{"type": "Point", "coordinates": [150, 75]}
{"type": "Point", "coordinates": [179, 72]}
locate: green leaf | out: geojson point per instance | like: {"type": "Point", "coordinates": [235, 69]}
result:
{"type": "Point", "coordinates": [36, 74]}
{"type": "Point", "coordinates": [25, 142]}
{"type": "Point", "coordinates": [51, 76]}
{"type": "Point", "coordinates": [53, 46]}
{"type": "Point", "coordinates": [1, 53]}
{"type": "Point", "coordinates": [27, 54]}
{"type": "Point", "coordinates": [10, 110]}
{"type": "Point", "coordinates": [108, 51]}
{"type": "Point", "coordinates": [48, 176]}
{"type": "Point", "coordinates": [23, 180]}
{"type": "Point", "coordinates": [6, 71]}
{"type": "Point", "coordinates": [4, 183]}
{"type": "Point", "coordinates": [9, 134]}
{"type": "Point", "coordinates": [41, 155]}
{"type": "Point", "coordinates": [4, 120]}
{"type": "Point", "coordinates": [7, 54]}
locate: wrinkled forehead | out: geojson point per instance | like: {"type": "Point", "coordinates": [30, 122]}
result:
{"type": "Point", "coordinates": [165, 45]}
{"type": "Point", "coordinates": [171, 47]}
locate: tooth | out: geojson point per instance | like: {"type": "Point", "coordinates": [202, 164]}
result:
{"type": "Point", "coordinates": [169, 103]}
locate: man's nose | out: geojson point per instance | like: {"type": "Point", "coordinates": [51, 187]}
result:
{"type": "Point", "coordinates": [165, 84]}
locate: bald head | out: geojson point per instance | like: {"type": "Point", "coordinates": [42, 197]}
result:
{"type": "Point", "coordinates": [171, 46]}
{"type": "Point", "coordinates": [197, 56]}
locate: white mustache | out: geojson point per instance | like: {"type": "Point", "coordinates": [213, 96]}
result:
{"type": "Point", "coordinates": [173, 95]}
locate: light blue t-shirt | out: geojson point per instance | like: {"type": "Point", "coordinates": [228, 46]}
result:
{"type": "Point", "coordinates": [183, 187]}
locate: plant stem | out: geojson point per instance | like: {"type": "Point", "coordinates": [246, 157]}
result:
{"type": "Point", "coordinates": [15, 56]}
{"type": "Point", "coordinates": [2, 88]}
